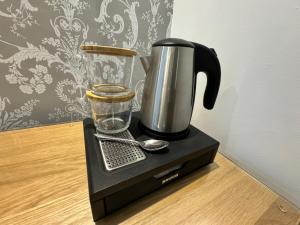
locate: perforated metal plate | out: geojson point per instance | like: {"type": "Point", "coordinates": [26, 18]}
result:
{"type": "Point", "coordinates": [116, 155]}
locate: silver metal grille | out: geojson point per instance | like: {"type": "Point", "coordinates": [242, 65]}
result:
{"type": "Point", "coordinates": [116, 155]}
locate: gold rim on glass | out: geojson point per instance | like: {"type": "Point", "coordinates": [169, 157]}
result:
{"type": "Point", "coordinates": [109, 90]}
{"type": "Point", "coordinates": [108, 50]}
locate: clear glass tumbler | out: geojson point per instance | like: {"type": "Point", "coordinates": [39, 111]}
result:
{"type": "Point", "coordinates": [111, 107]}
{"type": "Point", "coordinates": [109, 72]}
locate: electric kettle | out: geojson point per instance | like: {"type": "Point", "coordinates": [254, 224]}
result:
{"type": "Point", "coordinates": [170, 84]}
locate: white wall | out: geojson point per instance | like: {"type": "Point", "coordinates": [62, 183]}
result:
{"type": "Point", "coordinates": [257, 115]}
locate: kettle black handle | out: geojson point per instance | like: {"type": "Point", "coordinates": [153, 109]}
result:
{"type": "Point", "coordinates": [206, 60]}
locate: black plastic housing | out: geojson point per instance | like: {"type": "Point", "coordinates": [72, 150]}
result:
{"type": "Point", "coordinates": [109, 191]}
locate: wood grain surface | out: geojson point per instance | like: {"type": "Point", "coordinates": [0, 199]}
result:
{"type": "Point", "coordinates": [43, 181]}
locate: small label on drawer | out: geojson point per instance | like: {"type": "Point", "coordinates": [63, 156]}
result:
{"type": "Point", "coordinates": [170, 178]}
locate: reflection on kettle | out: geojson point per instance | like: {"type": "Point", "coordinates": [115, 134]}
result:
{"type": "Point", "coordinates": [170, 85]}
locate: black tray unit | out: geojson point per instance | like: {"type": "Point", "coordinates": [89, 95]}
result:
{"type": "Point", "coordinates": [109, 191]}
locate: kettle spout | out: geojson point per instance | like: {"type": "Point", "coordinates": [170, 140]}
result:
{"type": "Point", "coordinates": [146, 60]}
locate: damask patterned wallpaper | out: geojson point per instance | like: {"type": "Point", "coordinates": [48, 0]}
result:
{"type": "Point", "coordinates": [42, 77]}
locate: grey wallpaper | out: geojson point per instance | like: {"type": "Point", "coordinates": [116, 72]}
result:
{"type": "Point", "coordinates": [42, 76]}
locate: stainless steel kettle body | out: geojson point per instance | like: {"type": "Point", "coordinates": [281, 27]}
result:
{"type": "Point", "coordinates": [169, 89]}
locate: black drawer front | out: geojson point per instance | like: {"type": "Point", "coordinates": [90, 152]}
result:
{"type": "Point", "coordinates": [127, 195]}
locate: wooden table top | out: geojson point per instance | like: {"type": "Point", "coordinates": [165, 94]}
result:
{"type": "Point", "coordinates": [43, 181]}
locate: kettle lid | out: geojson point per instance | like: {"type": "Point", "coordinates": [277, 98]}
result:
{"type": "Point", "coordinates": [176, 42]}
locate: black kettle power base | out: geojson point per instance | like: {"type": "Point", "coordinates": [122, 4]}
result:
{"type": "Point", "coordinates": [109, 191]}
{"type": "Point", "coordinates": [164, 136]}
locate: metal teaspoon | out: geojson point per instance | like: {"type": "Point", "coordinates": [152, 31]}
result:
{"type": "Point", "coordinates": [150, 145]}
